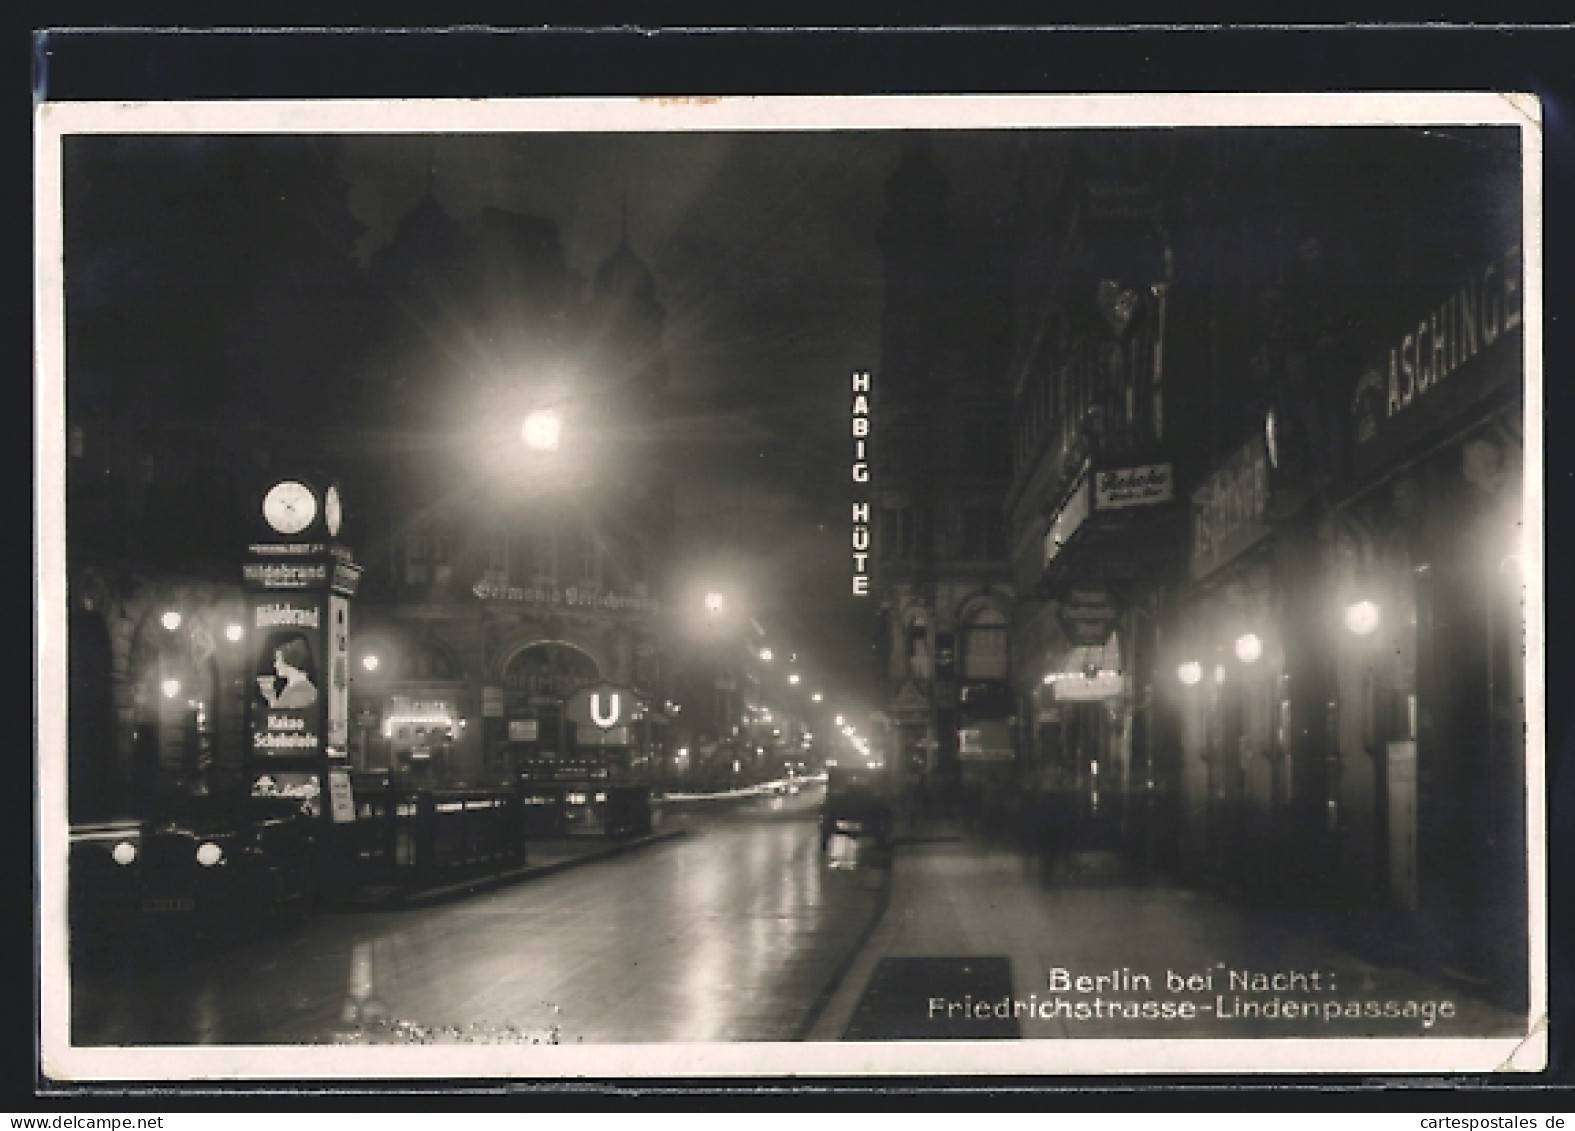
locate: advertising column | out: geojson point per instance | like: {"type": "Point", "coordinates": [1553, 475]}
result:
{"type": "Point", "coordinates": [298, 581]}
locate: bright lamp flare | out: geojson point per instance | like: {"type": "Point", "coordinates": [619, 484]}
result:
{"type": "Point", "coordinates": [793, 678]}
{"type": "Point", "coordinates": [1190, 672]}
{"type": "Point", "coordinates": [170, 620]}
{"type": "Point", "coordinates": [1249, 648]}
{"type": "Point", "coordinates": [1361, 618]}
{"type": "Point", "coordinates": [541, 430]}
{"type": "Point", "coordinates": [233, 633]}
{"type": "Point", "coordinates": [171, 688]}
{"type": "Point", "coordinates": [713, 603]}
{"type": "Point", "coordinates": [369, 663]}
{"type": "Point", "coordinates": [765, 654]}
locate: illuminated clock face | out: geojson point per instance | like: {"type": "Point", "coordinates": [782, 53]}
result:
{"type": "Point", "coordinates": [333, 511]}
{"type": "Point", "coordinates": [289, 507]}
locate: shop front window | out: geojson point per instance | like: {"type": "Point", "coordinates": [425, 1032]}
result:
{"type": "Point", "coordinates": [984, 647]}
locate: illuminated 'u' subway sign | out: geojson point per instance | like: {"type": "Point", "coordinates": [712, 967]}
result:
{"type": "Point", "coordinates": [861, 474]}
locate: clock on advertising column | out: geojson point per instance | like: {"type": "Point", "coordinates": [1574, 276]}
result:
{"type": "Point", "coordinates": [289, 507]}
{"type": "Point", "coordinates": [301, 507]}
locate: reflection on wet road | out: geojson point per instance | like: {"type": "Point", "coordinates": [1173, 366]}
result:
{"type": "Point", "coordinates": [730, 933]}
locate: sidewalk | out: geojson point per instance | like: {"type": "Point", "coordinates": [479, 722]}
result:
{"type": "Point", "coordinates": [1051, 952]}
{"type": "Point", "coordinates": [542, 858]}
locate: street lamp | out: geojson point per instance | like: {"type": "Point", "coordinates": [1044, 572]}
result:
{"type": "Point", "coordinates": [765, 654]}
{"type": "Point", "coordinates": [817, 697]}
{"type": "Point", "coordinates": [1249, 647]}
{"type": "Point", "coordinates": [1361, 618]}
{"type": "Point", "coordinates": [1190, 672]}
{"type": "Point", "coordinates": [541, 430]}
{"type": "Point", "coordinates": [714, 604]}
{"type": "Point", "coordinates": [793, 678]}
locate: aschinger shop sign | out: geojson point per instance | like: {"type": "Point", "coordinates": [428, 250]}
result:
{"type": "Point", "coordinates": [1458, 351]}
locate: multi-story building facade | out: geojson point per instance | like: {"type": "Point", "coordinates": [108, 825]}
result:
{"type": "Point", "coordinates": [939, 472]}
{"type": "Point", "coordinates": [1308, 590]}
{"type": "Point", "coordinates": [519, 546]}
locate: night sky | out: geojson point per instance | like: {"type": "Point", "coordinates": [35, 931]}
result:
{"type": "Point", "coordinates": [204, 271]}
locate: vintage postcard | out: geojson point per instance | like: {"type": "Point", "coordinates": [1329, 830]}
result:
{"type": "Point", "coordinates": [790, 586]}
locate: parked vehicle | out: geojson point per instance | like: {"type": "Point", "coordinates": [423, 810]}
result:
{"type": "Point", "coordinates": [205, 866]}
{"type": "Point", "coordinates": [858, 803]}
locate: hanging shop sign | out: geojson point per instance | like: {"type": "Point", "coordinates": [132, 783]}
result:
{"type": "Point", "coordinates": [1144, 486]}
{"type": "Point", "coordinates": [1087, 615]}
{"type": "Point", "coordinates": [1073, 513]}
{"type": "Point", "coordinates": [1463, 347]}
{"type": "Point", "coordinates": [1230, 510]}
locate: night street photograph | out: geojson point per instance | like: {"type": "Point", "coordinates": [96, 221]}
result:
{"type": "Point", "coordinates": [790, 585]}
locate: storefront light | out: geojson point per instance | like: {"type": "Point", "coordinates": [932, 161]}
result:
{"type": "Point", "coordinates": [1188, 673]}
{"type": "Point", "coordinates": [170, 620]}
{"type": "Point", "coordinates": [1361, 618]}
{"type": "Point", "coordinates": [1249, 648]}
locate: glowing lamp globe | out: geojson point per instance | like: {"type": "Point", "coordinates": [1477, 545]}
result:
{"type": "Point", "coordinates": [1361, 618]}
{"type": "Point", "coordinates": [541, 431]}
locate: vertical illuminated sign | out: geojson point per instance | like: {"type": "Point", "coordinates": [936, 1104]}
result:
{"type": "Point", "coordinates": [861, 475]}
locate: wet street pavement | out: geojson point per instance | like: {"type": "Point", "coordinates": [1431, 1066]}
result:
{"type": "Point", "coordinates": [733, 932]}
